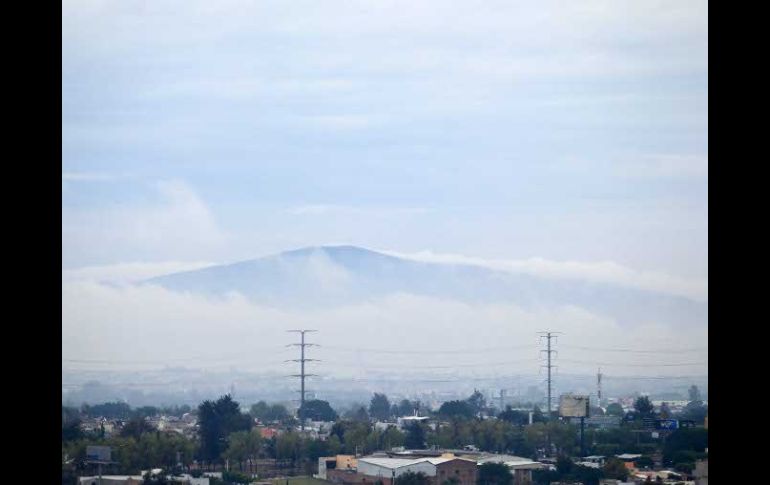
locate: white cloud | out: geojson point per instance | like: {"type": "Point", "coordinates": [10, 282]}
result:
{"type": "Point", "coordinates": [148, 323]}
{"type": "Point", "coordinates": [123, 273]}
{"type": "Point", "coordinates": [600, 272]}
{"type": "Point", "coordinates": [179, 226]}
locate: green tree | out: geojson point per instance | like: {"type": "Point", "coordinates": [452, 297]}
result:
{"type": "Point", "coordinates": [360, 415]}
{"type": "Point", "coordinates": [694, 393]}
{"type": "Point", "coordinates": [393, 437]}
{"type": "Point", "coordinates": [537, 415]}
{"type": "Point", "coordinates": [317, 410]}
{"type": "Point", "coordinates": [494, 474]}
{"type": "Point", "coordinates": [564, 465]}
{"type": "Point", "coordinates": [665, 411]}
{"type": "Point", "coordinates": [136, 427]}
{"type": "Point", "coordinates": [513, 416]}
{"type": "Point", "coordinates": [615, 409]}
{"type": "Point", "coordinates": [216, 420]}
{"type": "Point", "coordinates": [615, 468]}
{"type": "Point", "coordinates": [70, 430]}
{"type": "Point", "coordinates": [415, 437]}
{"type": "Point", "coordinates": [379, 407]}
{"type": "Point", "coordinates": [407, 407]}
{"type": "Point", "coordinates": [456, 409]}
{"type": "Point", "coordinates": [289, 447]}
{"type": "Point", "coordinates": [242, 446]}
{"type": "Point", "coordinates": [643, 407]}
{"type": "Point", "coordinates": [477, 402]}
{"type": "Point", "coordinates": [695, 411]}
{"type": "Point", "coordinates": [269, 413]}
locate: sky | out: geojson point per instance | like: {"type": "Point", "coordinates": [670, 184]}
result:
{"type": "Point", "coordinates": [570, 135]}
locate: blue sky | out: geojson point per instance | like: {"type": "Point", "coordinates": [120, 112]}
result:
{"type": "Point", "coordinates": [571, 131]}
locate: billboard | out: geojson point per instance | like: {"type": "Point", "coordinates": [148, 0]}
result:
{"type": "Point", "coordinates": [666, 424]}
{"type": "Point", "coordinates": [98, 453]}
{"type": "Point", "coordinates": [573, 406]}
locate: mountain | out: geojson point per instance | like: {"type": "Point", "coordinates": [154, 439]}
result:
{"type": "Point", "coordinates": [335, 275]}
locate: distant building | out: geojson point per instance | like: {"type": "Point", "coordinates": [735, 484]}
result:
{"type": "Point", "coordinates": [339, 462]}
{"type": "Point", "coordinates": [406, 421]}
{"type": "Point", "coordinates": [520, 467]}
{"type": "Point", "coordinates": [438, 469]}
{"type": "Point", "coordinates": [113, 480]}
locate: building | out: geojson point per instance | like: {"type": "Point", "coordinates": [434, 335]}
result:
{"type": "Point", "coordinates": [521, 468]}
{"type": "Point", "coordinates": [113, 480]}
{"type": "Point", "coordinates": [438, 469]}
{"type": "Point", "coordinates": [406, 421]}
{"type": "Point", "coordinates": [339, 462]}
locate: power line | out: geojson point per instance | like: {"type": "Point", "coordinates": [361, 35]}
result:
{"type": "Point", "coordinates": [423, 352]}
{"type": "Point", "coordinates": [682, 364]}
{"type": "Point", "coordinates": [637, 351]}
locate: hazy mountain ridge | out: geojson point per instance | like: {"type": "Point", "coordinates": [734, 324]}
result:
{"type": "Point", "coordinates": [335, 275]}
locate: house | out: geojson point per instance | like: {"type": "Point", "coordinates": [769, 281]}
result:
{"type": "Point", "coordinates": [520, 467]}
{"type": "Point", "coordinates": [597, 459]}
{"type": "Point", "coordinates": [438, 469]}
{"type": "Point", "coordinates": [406, 421]}
{"type": "Point", "coordinates": [339, 462]}
{"type": "Point", "coordinates": [267, 433]}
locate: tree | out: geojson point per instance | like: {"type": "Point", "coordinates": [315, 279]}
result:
{"type": "Point", "coordinates": [267, 413]}
{"type": "Point", "coordinates": [456, 409]}
{"type": "Point", "coordinates": [694, 393]}
{"type": "Point", "coordinates": [242, 446]}
{"type": "Point", "coordinates": [136, 427]}
{"type": "Point", "coordinates": [615, 409]}
{"type": "Point", "coordinates": [643, 407]}
{"type": "Point", "coordinates": [683, 445]}
{"type": "Point", "coordinates": [70, 431]}
{"type": "Point", "coordinates": [412, 478]}
{"type": "Point", "coordinates": [494, 474]}
{"type": "Point", "coordinates": [288, 446]}
{"type": "Point", "coordinates": [512, 416]}
{"type": "Point", "coordinates": [216, 420]}
{"type": "Point", "coordinates": [379, 407]}
{"type": "Point", "coordinates": [537, 415]}
{"type": "Point", "coordinates": [415, 437]}
{"type": "Point", "coordinates": [695, 410]}
{"type": "Point", "coordinates": [665, 411]}
{"type": "Point", "coordinates": [477, 401]}
{"type": "Point", "coordinates": [564, 465]}
{"type": "Point", "coordinates": [317, 410]}
{"type": "Point", "coordinates": [360, 414]}
{"type": "Point", "coordinates": [407, 407]}
{"type": "Point", "coordinates": [615, 468]}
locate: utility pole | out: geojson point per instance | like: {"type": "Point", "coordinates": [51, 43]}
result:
{"type": "Point", "coordinates": [302, 375]}
{"type": "Point", "coordinates": [599, 387]}
{"type": "Point", "coordinates": [548, 335]}
{"type": "Point", "coordinates": [549, 351]}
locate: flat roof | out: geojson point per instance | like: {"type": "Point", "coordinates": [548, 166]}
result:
{"type": "Point", "coordinates": [391, 462]}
